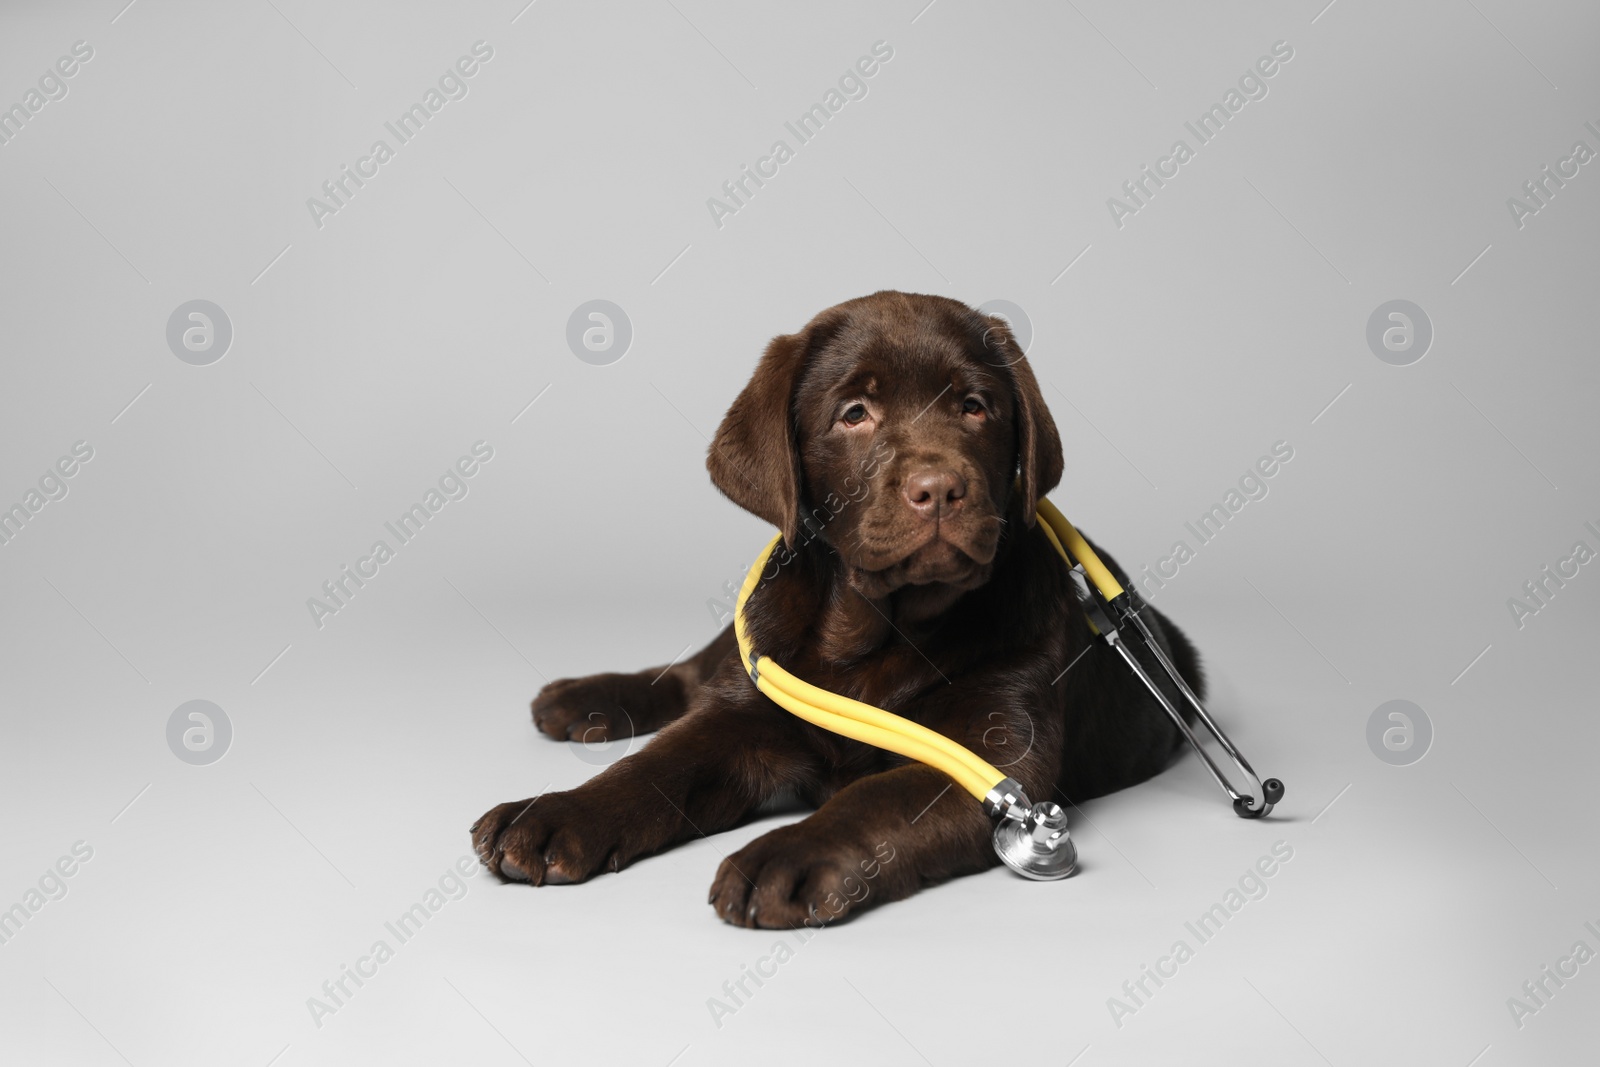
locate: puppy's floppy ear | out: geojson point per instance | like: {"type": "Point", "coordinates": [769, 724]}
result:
{"type": "Point", "coordinates": [1038, 443]}
{"type": "Point", "coordinates": [754, 459]}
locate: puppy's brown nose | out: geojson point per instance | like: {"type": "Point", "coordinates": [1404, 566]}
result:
{"type": "Point", "coordinates": [931, 491]}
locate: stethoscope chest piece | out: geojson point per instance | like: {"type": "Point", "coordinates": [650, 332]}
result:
{"type": "Point", "coordinates": [1037, 845]}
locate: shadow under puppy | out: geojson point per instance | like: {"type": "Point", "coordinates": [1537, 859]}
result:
{"type": "Point", "coordinates": [901, 444]}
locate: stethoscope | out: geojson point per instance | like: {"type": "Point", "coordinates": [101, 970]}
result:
{"type": "Point", "coordinates": [1030, 837]}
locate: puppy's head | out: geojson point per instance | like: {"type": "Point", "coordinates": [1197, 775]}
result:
{"type": "Point", "coordinates": [900, 429]}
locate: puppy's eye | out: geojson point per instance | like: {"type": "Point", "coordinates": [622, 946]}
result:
{"type": "Point", "coordinates": [854, 415]}
{"type": "Point", "coordinates": [972, 406]}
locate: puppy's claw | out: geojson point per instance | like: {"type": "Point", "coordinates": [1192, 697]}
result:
{"type": "Point", "coordinates": [553, 874]}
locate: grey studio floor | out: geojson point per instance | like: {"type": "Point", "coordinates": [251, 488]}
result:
{"type": "Point", "coordinates": [228, 364]}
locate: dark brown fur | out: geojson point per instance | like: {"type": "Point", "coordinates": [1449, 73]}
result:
{"type": "Point", "coordinates": [913, 577]}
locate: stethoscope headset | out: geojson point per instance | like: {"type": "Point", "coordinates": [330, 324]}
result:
{"type": "Point", "coordinates": [1030, 837]}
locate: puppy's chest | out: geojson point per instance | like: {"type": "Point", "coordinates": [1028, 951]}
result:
{"type": "Point", "coordinates": [890, 678]}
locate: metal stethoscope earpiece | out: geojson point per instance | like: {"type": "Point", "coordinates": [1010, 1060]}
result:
{"type": "Point", "coordinates": [1030, 838]}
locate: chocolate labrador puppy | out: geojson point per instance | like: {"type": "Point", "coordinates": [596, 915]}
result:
{"type": "Point", "coordinates": [900, 443]}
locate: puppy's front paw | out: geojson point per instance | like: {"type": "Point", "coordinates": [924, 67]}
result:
{"type": "Point", "coordinates": [796, 876]}
{"type": "Point", "coordinates": [591, 710]}
{"type": "Point", "coordinates": [553, 839]}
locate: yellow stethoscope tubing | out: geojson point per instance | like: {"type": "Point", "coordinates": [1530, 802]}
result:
{"type": "Point", "coordinates": [881, 729]}
{"type": "Point", "coordinates": [1073, 546]}
{"type": "Point", "coordinates": [853, 718]}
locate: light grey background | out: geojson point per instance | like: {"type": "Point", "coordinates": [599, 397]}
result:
{"type": "Point", "coordinates": [1228, 314]}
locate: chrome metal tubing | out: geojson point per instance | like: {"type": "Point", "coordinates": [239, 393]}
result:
{"type": "Point", "coordinates": [1114, 639]}
{"type": "Point", "coordinates": [1260, 792]}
